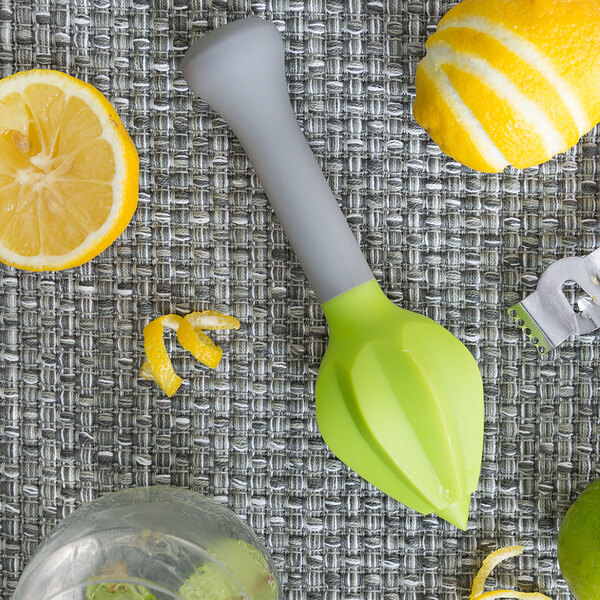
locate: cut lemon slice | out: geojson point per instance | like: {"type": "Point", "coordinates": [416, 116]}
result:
{"type": "Point", "coordinates": [68, 171]}
{"type": "Point", "coordinates": [490, 562]}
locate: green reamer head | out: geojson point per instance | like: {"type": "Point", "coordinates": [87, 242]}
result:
{"type": "Point", "coordinates": [399, 398]}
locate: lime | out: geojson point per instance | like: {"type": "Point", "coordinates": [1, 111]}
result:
{"type": "Point", "coordinates": [579, 544]}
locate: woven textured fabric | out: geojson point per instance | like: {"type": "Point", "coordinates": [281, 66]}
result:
{"type": "Point", "coordinates": [75, 419]}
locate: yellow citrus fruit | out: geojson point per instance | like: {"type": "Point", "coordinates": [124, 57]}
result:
{"type": "Point", "coordinates": [68, 171]}
{"type": "Point", "coordinates": [511, 81]}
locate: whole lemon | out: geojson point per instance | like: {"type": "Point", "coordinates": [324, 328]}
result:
{"type": "Point", "coordinates": [511, 81]}
{"type": "Point", "coordinates": [579, 544]}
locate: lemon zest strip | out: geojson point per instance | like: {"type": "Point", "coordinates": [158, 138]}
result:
{"type": "Point", "coordinates": [158, 366]}
{"type": "Point", "coordinates": [494, 595]}
{"type": "Point", "coordinates": [489, 563]}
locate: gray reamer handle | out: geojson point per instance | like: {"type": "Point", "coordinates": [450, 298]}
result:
{"type": "Point", "coordinates": [238, 69]}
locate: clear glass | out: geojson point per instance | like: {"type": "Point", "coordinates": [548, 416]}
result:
{"type": "Point", "coordinates": [156, 543]}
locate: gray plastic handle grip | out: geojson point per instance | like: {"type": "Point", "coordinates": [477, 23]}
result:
{"type": "Point", "coordinates": [239, 70]}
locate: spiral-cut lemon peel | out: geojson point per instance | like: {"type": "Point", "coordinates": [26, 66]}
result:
{"type": "Point", "coordinates": [490, 562]}
{"type": "Point", "coordinates": [158, 366]}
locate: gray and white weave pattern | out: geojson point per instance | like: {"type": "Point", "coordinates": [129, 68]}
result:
{"type": "Point", "coordinates": [75, 419]}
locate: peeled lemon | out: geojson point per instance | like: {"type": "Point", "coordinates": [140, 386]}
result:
{"type": "Point", "coordinates": [511, 82]}
{"type": "Point", "coordinates": [68, 171]}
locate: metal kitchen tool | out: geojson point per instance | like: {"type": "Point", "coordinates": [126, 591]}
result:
{"type": "Point", "coordinates": [547, 317]}
{"type": "Point", "coordinates": [399, 398]}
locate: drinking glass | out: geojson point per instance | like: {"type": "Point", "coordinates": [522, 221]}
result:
{"type": "Point", "coordinates": [153, 543]}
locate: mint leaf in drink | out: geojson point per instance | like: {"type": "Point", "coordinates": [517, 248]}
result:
{"type": "Point", "coordinates": [117, 591]}
{"type": "Point", "coordinates": [210, 581]}
{"type": "Point", "coordinates": [242, 572]}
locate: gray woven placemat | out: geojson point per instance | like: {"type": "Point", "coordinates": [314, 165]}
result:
{"type": "Point", "coordinates": [77, 422]}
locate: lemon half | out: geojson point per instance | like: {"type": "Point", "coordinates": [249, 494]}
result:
{"type": "Point", "coordinates": [68, 171]}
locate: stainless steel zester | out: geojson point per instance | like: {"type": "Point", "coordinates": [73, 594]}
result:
{"type": "Point", "coordinates": [547, 316]}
